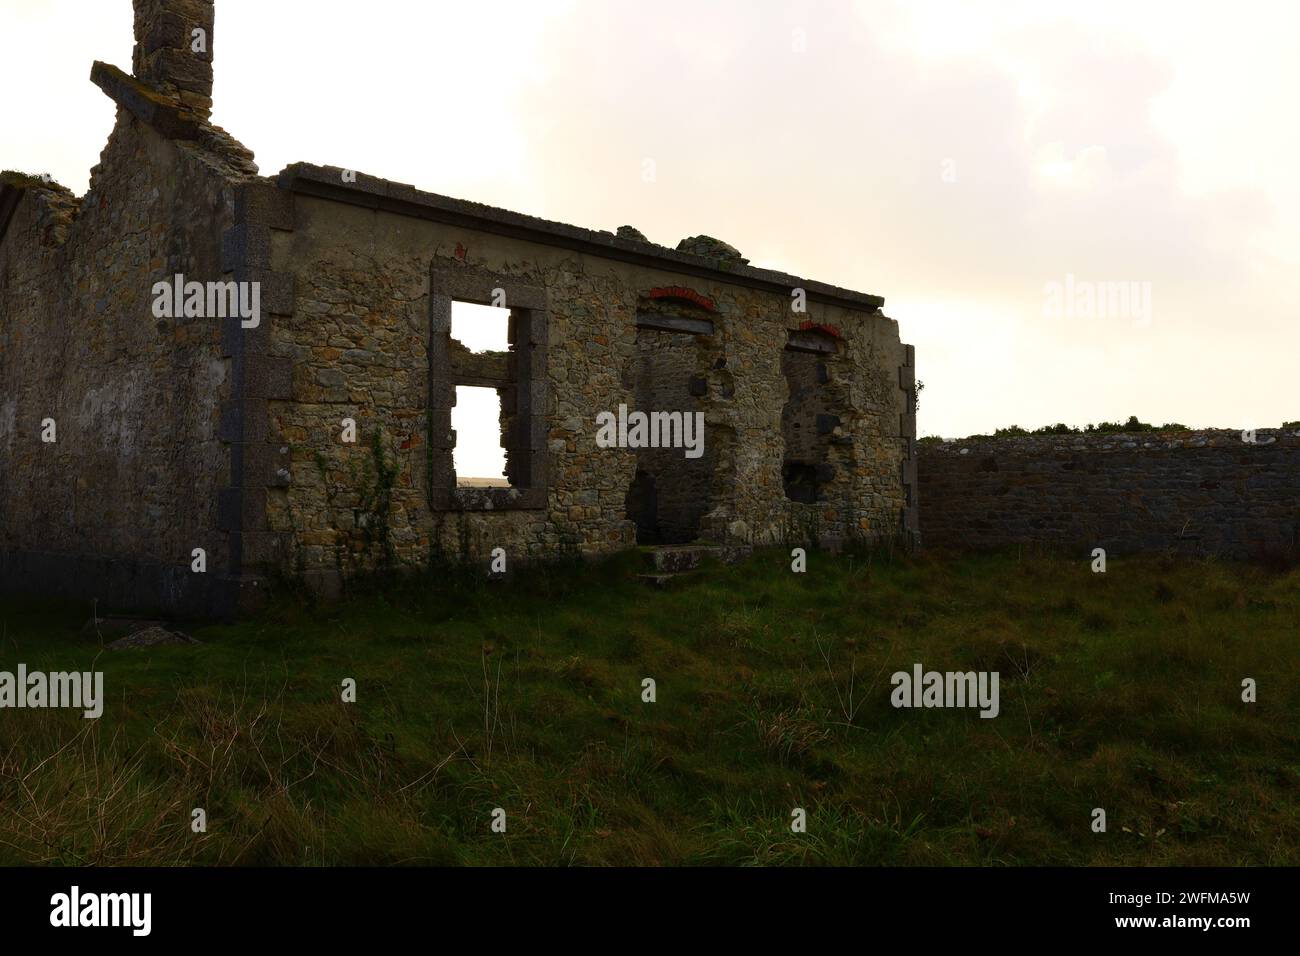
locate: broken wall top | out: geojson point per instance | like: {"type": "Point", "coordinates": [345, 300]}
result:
{"type": "Point", "coordinates": [329, 182]}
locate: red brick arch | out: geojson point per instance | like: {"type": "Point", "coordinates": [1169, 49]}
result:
{"type": "Point", "coordinates": [685, 294]}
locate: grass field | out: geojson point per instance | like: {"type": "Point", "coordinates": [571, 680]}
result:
{"type": "Point", "coordinates": [1119, 690]}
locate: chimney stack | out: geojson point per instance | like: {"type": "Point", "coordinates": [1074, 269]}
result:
{"type": "Point", "coordinates": [173, 50]}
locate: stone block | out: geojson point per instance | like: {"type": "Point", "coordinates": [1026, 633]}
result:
{"type": "Point", "coordinates": [264, 205]}
{"type": "Point", "coordinates": [247, 245]}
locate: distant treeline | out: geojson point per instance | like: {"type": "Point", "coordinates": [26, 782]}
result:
{"type": "Point", "coordinates": [1101, 428]}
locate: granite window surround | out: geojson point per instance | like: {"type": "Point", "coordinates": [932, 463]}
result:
{"type": "Point", "coordinates": [519, 377]}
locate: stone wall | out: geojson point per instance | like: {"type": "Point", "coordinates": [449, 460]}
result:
{"type": "Point", "coordinates": [358, 342]}
{"type": "Point", "coordinates": [114, 507]}
{"type": "Point", "coordinates": [1200, 492]}
{"type": "Point", "coordinates": [811, 421]}
{"type": "Point", "coordinates": [205, 432]}
{"type": "Point", "coordinates": [134, 470]}
{"type": "Point", "coordinates": [670, 375]}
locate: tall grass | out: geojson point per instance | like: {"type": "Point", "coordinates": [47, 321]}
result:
{"type": "Point", "coordinates": [1120, 691]}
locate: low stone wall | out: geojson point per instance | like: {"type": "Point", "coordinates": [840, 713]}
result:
{"type": "Point", "coordinates": [1197, 492]}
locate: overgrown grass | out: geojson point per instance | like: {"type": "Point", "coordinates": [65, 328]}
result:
{"type": "Point", "coordinates": [1120, 691]}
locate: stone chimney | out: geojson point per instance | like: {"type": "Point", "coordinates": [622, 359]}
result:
{"type": "Point", "coordinates": [173, 50]}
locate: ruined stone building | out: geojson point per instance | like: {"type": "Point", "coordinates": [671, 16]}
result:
{"type": "Point", "coordinates": [133, 432]}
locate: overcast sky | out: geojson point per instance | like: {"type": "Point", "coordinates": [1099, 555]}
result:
{"type": "Point", "coordinates": [983, 166]}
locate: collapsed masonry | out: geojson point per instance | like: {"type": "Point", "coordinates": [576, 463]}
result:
{"type": "Point", "coordinates": [176, 432]}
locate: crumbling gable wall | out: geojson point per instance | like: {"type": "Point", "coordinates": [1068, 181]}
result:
{"type": "Point", "coordinates": [114, 507]}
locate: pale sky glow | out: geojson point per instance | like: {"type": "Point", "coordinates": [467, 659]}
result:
{"type": "Point", "coordinates": [475, 417]}
{"type": "Point", "coordinates": [955, 158]}
{"type": "Point", "coordinates": [480, 328]}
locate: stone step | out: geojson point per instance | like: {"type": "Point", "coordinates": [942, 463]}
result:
{"type": "Point", "coordinates": [675, 558]}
